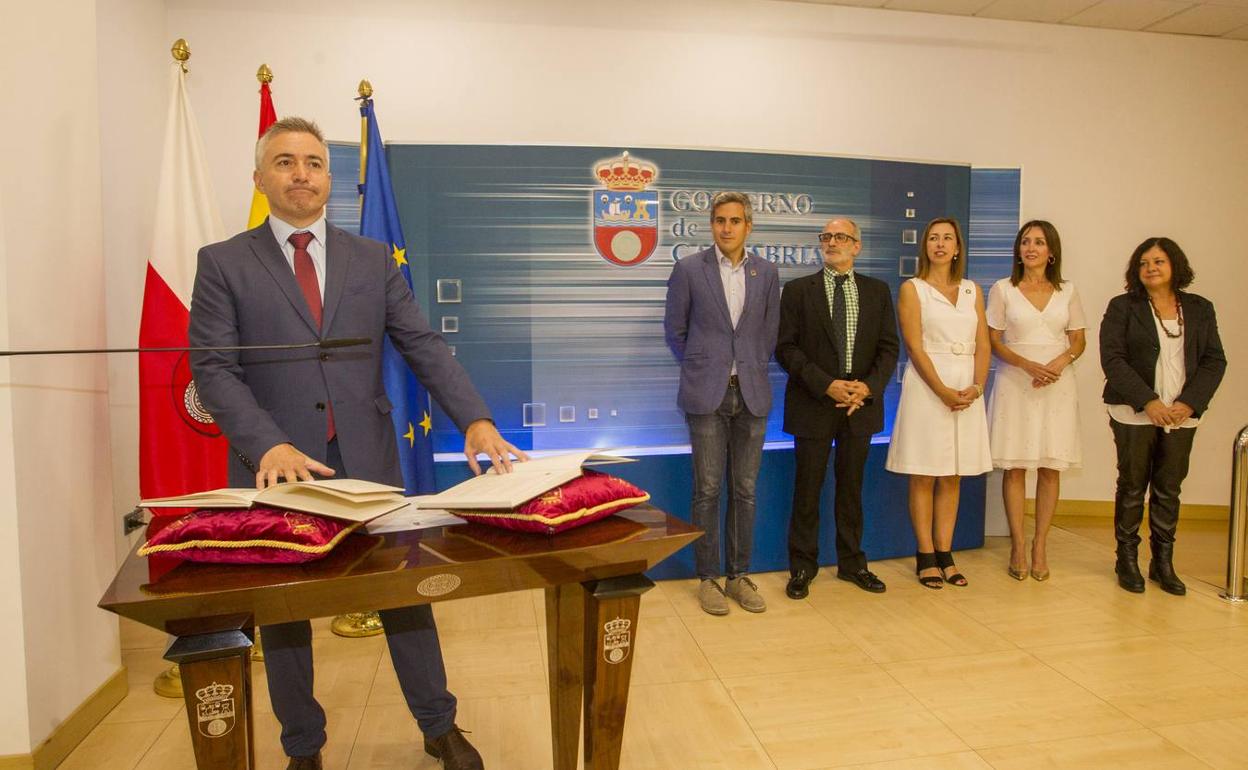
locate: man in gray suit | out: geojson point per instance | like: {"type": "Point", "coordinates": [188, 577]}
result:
{"type": "Point", "coordinates": [721, 321]}
{"type": "Point", "coordinates": [291, 414]}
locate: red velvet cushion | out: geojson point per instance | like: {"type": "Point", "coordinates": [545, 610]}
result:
{"type": "Point", "coordinates": [579, 501]}
{"type": "Point", "coordinates": [248, 536]}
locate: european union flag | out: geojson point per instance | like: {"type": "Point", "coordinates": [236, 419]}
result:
{"type": "Point", "coordinates": [412, 415]}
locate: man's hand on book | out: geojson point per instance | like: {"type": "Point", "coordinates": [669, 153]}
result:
{"type": "Point", "coordinates": [483, 438]}
{"type": "Point", "coordinates": [285, 463]}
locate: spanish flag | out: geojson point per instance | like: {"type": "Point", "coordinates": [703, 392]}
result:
{"type": "Point", "coordinates": [268, 116]}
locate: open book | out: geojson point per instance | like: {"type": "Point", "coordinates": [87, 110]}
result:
{"type": "Point", "coordinates": [493, 491]}
{"type": "Point", "coordinates": [348, 499]}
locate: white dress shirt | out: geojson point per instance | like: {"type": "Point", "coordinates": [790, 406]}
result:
{"type": "Point", "coordinates": [316, 248]}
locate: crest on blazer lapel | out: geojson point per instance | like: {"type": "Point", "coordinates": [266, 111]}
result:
{"type": "Point", "coordinates": [625, 213]}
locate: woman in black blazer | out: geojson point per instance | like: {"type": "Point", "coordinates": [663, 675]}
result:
{"type": "Point", "coordinates": [1163, 362]}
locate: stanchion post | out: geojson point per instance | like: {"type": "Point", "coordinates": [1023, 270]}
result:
{"type": "Point", "coordinates": [1237, 537]}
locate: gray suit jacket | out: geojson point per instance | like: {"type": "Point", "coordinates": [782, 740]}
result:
{"type": "Point", "coordinates": [699, 331]}
{"type": "Point", "coordinates": [245, 294]}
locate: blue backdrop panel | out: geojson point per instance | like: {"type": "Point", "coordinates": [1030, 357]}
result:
{"type": "Point", "coordinates": [542, 315]}
{"type": "Point", "coordinates": [512, 257]}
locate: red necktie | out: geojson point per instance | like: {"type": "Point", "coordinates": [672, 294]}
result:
{"type": "Point", "coordinates": [305, 276]}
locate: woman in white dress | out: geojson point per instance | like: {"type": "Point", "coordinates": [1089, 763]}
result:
{"type": "Point", "coordinates": [1036, 324]}
{"type": "Point", "coordinates": [941, 431]}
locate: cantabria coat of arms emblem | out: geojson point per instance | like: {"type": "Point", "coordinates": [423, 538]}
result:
{"type": "Point", "coordinates": [215, 710]}
{"type": "Point", "coordinates": [617, 640]}
{"type": "Point", "coordinates": [626, 214]}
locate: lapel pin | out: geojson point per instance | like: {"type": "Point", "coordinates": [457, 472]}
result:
{"type": "Point", "coordinates": [753, 273]}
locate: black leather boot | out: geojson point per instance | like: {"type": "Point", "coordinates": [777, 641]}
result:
{"type": "Point", "coordinates": [1161, 569]}
{"type": "Point", "coordinates": [1128, 568]}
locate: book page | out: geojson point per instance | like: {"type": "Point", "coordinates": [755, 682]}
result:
{"type": "Point", "coordinates": [498, 491]}
{"type": "Point", "coordinates": [344, 490]}
{"type": "Point", "coordinates": [566, 461]}
{"type": "Point", "coordinates": [302, 497]}
{"type": "Point", "coordinates": [236, 497]}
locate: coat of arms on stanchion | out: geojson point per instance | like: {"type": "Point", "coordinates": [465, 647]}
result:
{"type": "Point", "coordinates": [215, 710]}
{"type": "Point", "coordinates": [617, 641]}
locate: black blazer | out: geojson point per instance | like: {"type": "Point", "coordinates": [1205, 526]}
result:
{"type": "Point", "coordinates": [806, 351]}
{"type": "Point", "coordinates": [1130, 346]}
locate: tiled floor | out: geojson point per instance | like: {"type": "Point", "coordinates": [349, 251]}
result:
{"type": "Point", "coordinates": [1072, 673]}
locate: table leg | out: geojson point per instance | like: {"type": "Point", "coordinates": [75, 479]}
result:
{"type": "Point", "coordinates": [216, 684]}
{"type": "Point", "coordinates": [611, 610]}
{"type": "Point", "coordinates": [565, 643]}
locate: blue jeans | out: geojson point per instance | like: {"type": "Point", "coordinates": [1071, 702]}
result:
{"type": "Point", "coordinates": [731, 438]}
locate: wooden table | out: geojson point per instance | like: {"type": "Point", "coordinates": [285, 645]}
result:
{"type": "Point", "coordinates": [592, 577]}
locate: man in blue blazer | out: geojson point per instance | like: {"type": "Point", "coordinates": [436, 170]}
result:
{"type": "Point", "coordinates": [721, 321]}
{"type": "Point", "coordinates": [289, 414]}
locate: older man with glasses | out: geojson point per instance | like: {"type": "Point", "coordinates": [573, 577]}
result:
{"type": "Point", "coordinates": [838, 343]}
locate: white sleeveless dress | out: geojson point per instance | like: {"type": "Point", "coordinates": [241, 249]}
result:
{"type": "Point", "coordinates": [1034, 427]}
{"type": "Point", "coordinates": [929, 439]}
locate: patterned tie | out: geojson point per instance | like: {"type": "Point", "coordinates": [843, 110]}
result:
{"type": "Point", "coordinates": [840, 328]}
{"type": "Point", "coordinates": [305, 275]}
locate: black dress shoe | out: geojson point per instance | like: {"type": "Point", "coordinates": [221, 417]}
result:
{"type": "Point", "coordinates": [305, 763]}
{"type": "Point", "coordinates": [864, 579]}
{"type": "Point", "coordinates": [454, 750]}
{"type": "Point", "coordinates": [799, 585]}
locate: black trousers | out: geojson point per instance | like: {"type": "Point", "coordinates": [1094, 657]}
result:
{"type": "Point", "coordinates": [811, 457]}
{"type": "Point", "coordinates": [1151, 461]}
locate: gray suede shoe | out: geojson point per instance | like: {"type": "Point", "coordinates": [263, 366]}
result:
{"type": "Point", "coordinates": [711, 597]}
{"type": "Point", "coordinates": [746, 593]}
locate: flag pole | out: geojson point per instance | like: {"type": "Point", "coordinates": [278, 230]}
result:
{"type": "Point", "coordinates": [168, 683]}
{"type": "Point", "coordinates": [355, 625]}
{"type": "Point", "coordinates": [365, 92]}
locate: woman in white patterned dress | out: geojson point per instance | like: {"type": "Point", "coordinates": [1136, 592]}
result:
{"type": "Point", "coordinates": [1036, 324]}
{"type": "Point", "coordinates": [941, 430]}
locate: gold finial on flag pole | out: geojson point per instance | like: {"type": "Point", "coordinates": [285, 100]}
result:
{"type": "Point", "coordinates": [181, 52]}
{"type": "Point", "coordinates": [366, 89]}
{"type": "Point", "coordinates": [264, 74]}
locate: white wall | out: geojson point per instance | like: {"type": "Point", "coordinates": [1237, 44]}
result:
{"type": "Point", "coordinates": [134, 62]}
{"type": "Point", "coordinates": [1121, 135]}
{"type": "Point", "coordinates": [55, 518]}
{"type": "Point", "coordinates": [14, 721]}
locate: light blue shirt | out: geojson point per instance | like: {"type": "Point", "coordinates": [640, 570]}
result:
{"type": "Point", "coordinates": [316, 249]}
{"type": "Point", "coordinates": [734, 285]}
{"type": "Point", "coordinates": [734, 288]}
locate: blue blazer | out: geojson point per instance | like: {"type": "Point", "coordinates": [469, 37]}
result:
{"type": "Point", "coordinates": [699, 331]}
{"type": "Point", "coordinates": [245, 294]}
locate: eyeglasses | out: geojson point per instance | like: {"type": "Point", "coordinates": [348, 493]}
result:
{"type": "Point", "coordinates": [840, 238]}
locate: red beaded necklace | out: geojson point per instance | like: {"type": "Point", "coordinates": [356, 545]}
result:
{"type": "Point", "coordinates": [1178, 309]}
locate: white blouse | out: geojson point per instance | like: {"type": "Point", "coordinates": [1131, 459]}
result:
{"type": "Point", "coordinates": [1168, 378]}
